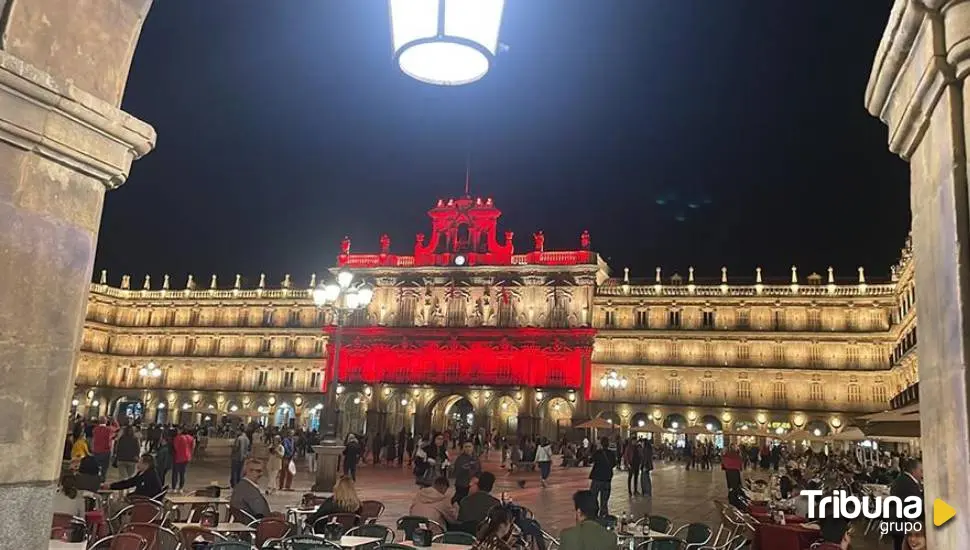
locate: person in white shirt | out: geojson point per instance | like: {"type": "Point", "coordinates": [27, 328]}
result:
{"type": "Point", "coordinates": [544, 460]}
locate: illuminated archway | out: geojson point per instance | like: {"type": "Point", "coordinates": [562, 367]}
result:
{"type": "Point", "coordinates": [450, 412]}
{"type": "Point", "coordinates": [556, 417]}
{"type": "Point", "coordinates": [352, 417]}
{"type": "Point", "coordinates": [505, 416]}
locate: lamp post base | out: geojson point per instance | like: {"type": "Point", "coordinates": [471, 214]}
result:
{"type": "Point", "coordinates": [328, 455]}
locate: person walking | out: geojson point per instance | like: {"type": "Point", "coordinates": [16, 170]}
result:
{"type": "Point", "coordinates": [286, 473]}
{"type": "Point", "coordinates": [101, 441]}
{"type": "Point", "coordinates": [467, 466]}
{"type": "Point", "coordinates": [237, 457]}
{"type": "Point", "coordinates": [274, 464]}
{"type": "Point", "coordinates": [601, 475]}
{"type": "Point", "coordinates": [544, 460]}
{"type": "Point", "coordinates": [183, 446]}
{"type": "Point", "coordinates": [127, 453]}
{"type": "Point", "coordinates": [646, 484]}
{"type": "Point", "coordinates": [163, 455]}
{"type": "Point", "coordinates": [635, 463]}
{"type": "Point", "coordinates": [313, 440]}
{"type": "Point", "coordinates": [351, 457]}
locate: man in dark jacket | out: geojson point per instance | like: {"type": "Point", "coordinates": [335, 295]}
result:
{"type": "Point", "coordinates": [908, 484]}
{"type": "Point", "coordinates": [146, 482]}
{"type": "Point", "coordinates": [474, 508]}
{"type": "Point", "coordinates": [466, 467]}
{"type": "Point", "coordinates": [601, 476]}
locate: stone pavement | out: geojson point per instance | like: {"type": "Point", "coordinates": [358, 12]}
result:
{"type": "Point", "coordinates": [680, 495]}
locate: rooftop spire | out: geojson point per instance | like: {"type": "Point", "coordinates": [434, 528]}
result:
{"type": "Point", "coordinates": [468, 175]}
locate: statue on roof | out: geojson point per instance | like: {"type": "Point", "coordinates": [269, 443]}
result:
{"type": "Point", "coordinates": [385, 244]}
{"type": "Point", "coordinates": [539, 240]}
{"type": "Point", "coordinates": [345, 246]}
{"type": "Point", "coordinates": [584, 240]}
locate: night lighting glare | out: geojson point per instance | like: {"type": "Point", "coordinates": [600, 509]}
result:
{"type": "Point", "coordinates": [445, 42]}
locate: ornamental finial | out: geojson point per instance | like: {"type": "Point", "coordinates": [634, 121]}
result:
{"type": "Point", "coordinates": [262, 280]}
{"type": "Point", "coordinates": [831, 276]}
{"type": "Point", "coordinates": [238, 283]}
{"type": "Point", "coordinates": [125, 282]}
{"type": "Point", "coordinates": [690, 274]}
{"type": "Point", "coordinates": [657, 279]}
{"type": "Point", "coordinates": [165, 284]}
{"type": "Point", "coordinates": [794, 275]}
{"type": "Point", "coordinates": [724, 275]}
{"type": "Point", "coordinates": [104, 277]}
{"type": "Point", "coordinates": [213, 283]}
{"type": "Point", "coordinates": [190, 283]}
{"type": "Point", "coordinates": [286, 281]}
{"type": "Point", "coordinates": [757, 275]}
{"type": "Point", "coordinates": [313, 280]}
{"type": "Point", "coordinates": [147, 285]}
{"type": "Point", "coordinates": [862, 275]}
{"type": "Point", "coordinates": [626, 275]}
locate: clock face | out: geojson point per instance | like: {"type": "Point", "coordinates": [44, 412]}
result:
{"type": "Point", "coordinates": [459, 260]}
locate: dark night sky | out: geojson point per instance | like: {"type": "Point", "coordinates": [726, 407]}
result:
{"type": "Point", "coordinates": [285, 125]}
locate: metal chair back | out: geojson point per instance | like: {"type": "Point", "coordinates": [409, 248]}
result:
{"type": "Point", "coordinates": [373, 530]}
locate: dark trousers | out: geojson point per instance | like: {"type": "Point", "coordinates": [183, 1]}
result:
{"type": "Point", "coordinates": [601, 490]}
{"type": "Point", "coordinates": [235, 472]}
{"type": "Point", "coordinates": [162, 474]}
{"type": "Point", "coordinates": [633, 479]}
{"type": "Point", "coordinates": [104, 461]}
{"type": "Point", "coordinates": [544, 469]}
{"type": "Point", "coordinates": [646, 484]}
{"type": "Point", "coordinates": [350, 469]}
{"type": "Point", "coordinates": [460, 493]}
{"type": "Point", "coordinates": [178, 475]}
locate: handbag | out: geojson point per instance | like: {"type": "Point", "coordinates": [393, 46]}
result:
{"type": "Point", "coordinates": [292, 467]}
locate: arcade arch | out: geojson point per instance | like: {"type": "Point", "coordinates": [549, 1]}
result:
{"type": "Point", "coordinates": [556, 416]}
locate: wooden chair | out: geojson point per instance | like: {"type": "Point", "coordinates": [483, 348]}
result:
{"type": "Point", "coordinates": [158, 537]}
{"type": "Point", "coordinates": [121, 541]}
{"type": "Point", "coordinates": [190, 533]}
{"type": "Point", "coordinates": [371, 510]}
{"type": "Point", "coordinates": [271, 528]}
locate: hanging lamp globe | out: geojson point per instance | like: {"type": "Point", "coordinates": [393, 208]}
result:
{"type": "Point", "coordinates": [445, 42]}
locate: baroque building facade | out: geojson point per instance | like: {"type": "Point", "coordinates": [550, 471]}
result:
{"type": "Point", "coordinates": [467, 330]}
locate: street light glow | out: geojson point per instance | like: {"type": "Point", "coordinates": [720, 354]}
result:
{"type": "Point", "coordinates": [445, 42]}
{"type": "Point", "coordinates": [344, 278]}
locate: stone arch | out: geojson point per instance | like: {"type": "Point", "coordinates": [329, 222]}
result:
{"type": "Point", "coordinates": [503, 415]}
{"type": "Point", "coordinates": [640, 420]}
{"type": "Point", "coordinates": [126, 406]}
{"type": "Point", "coordinates": [352, 413]}
{"type": "Point", "coordinates": [711, 423]}
{"type": "Point", "coordinates": [555, 417]}
{"type": "Point", "coordinates": [435, 416]}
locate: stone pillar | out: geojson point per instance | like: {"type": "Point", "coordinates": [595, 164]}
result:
{"type": "Point", "coordinates": [63, 143]}
{"type": "Point", "coordinates": [918, 89]}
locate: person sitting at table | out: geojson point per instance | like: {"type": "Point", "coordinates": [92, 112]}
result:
{"type": "Point", "coordinates": [344, 499]}
{"type": "Point", "coordinates": [87, 478]}
{"type": "Point", "coordinates": [67, 499]}
{"type": "Point", "coordinates": [835, 534]}
{"type": "Point", "coordinates": [434, 503]}
{"type": "Point", "coordinates": [587, 533]}
{"type": "Point", "coordinates": [495, 533]}
{"type": "Point", "coordinates": [246, 495]}
{"type": "Point", "coordinates": [474, 508]}
{"type": "Point", "coordinates": [146, 481]}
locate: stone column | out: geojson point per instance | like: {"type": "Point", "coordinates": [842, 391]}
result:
{"type": "Point", "coordinates": [63, 143]}
{"type": "Point", "coordinates": [917, 88]}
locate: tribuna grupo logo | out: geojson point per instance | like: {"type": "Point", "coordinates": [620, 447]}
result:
{"type": "Point", "coordinates": [898, 515]}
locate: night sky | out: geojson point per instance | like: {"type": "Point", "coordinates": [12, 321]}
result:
{"type": "Point", "coordinates": [702, 133]}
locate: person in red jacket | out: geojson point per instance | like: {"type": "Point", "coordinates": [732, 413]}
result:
{"type": "Point", "coordinates": [101, 440]}
{"type": "Point", "coordinates": [732, 464]}
{"type": "Point", "coordinates": [183, 445]}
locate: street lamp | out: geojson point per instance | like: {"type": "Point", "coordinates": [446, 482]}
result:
{"type": "Point", "coordinates": [613, 381]}
{"type": "Point", "coordinates": [343, 297]}
{"type": "Point", "coordinates": [150, 370]}
{"type": "Point", "coordinates": [445, 42]}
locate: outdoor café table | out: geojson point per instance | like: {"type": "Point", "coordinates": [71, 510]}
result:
{"type": "Point", "coordinates": [228, 527]}
{"type": "Point", "coordinates": [355, 542]}
{"type": "Point", "coordinates": [297, 516]}
{"type": "Point", "coordinates": [624, 537]}
{"type": "Point", "coordinates": [61, 545]}
{"type": "Point", "coordinates": [181, 500]}
{"type": "Point", "coordinates": [769, 536]}
{"type": "Point", "coordinates": [440, 545]}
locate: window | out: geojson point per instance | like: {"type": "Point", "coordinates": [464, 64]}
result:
{"type": "Point", "coordinates": [123, 375]}
{"type": "Point", "coordinates": [288, 378]}
{"type": "Point", "coordinates": [880, 394]}
{"type": "Point", "coordinates": [268, 317]}
{"type": "Point", "coordinates": [294, 318]}
{"type": "Point", "coordinates": [814, 355]}
{"type": "Point", "coordinates": [814, 320]}
{"type": "Point", "coordinates": [238, 378]}
{"type": "Point", "coordinates": [194, 318]}
{"type": "Point", "coordinates": [779, 320]}
{"type": "Point", "coordinates": [744, 353]}
{"type": "Point", "coordinates": [610, 318]}
{"type": "Point", "coordinates": [707, 388]}
{"type": "Point", "coordinates": [744, 389]}
{"type": "Point", "coordinates": [779, 392]}
{"type": "Point", "coordinates": [262, 378]}
{"type": "Point", "coordinates": [744, 319]}
{"type": "Point", "coordinates": [855, 393]}
{"type": "Point", "coordinates": [816, 393]}
{"type": "Point", "coordinates": [316, 380]}
{"type": "Point", "coordinates": [642, 318]}
{"type": "Point", "coordinates": [707, 319]}
{"type": "Point", "coordinates": [673, 388]}
{"type": "Point", "coordinates": [852, 355]}
{"type": "Point", "coordinates": [318, 347]}
{"type": "Point", "coordinates": [267, 343]}
{"type": "Point", "coordinates": [641, 386]}
{"type": "Point", "coordinates": [673, 318]}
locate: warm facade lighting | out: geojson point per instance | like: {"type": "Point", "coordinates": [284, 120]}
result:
{"type": "Point", "coordinates": [445, 42]}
